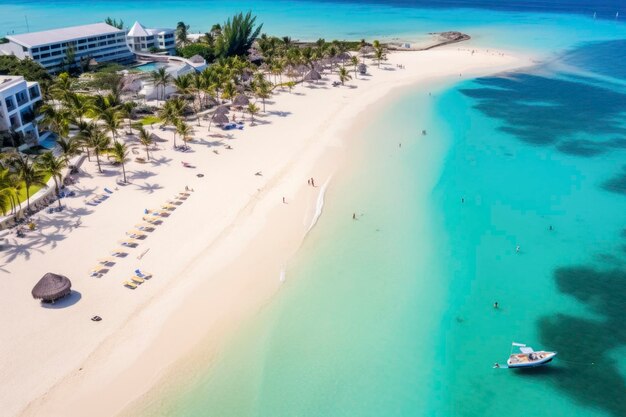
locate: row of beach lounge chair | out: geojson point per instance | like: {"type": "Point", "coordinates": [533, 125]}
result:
{"type": "Point", "coordinates": [152, 219]}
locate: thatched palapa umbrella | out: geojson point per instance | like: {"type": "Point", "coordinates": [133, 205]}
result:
{"type": "Point", "coordinates": [220, 119]}
{"type": "Point", "coordinates": [51, 287]}
{"type": "Point", "coordinates": [343, 56]}
{"type": "Point", "coordinates": [222, 110]}
{"type": "Point", "coordinates": [367, 49]}
{"type": "Point", "coordinates": [241, 100]}
{"type": "Point", "coordinates": [312, 76]}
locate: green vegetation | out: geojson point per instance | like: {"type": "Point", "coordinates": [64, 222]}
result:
{"type": "Point", "coordinates": [237, 35]}
{"type": "Point", "coordinates": [149, 120]}
{"type": "Point", "coordinates": [198, 48]}
{"type": "Point", "coordinates": [29, 69]}
{"type": "Point", "coordinates": [114, 23]}
{"type": "Point", "coordinates": [182, 33]}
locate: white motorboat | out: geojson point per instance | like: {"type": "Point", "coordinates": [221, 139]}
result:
{"type": "Point", "coordinates": [528, 358]}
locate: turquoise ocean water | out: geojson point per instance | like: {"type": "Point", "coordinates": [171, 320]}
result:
{"type": "Point", "coordinates": [392, 314]}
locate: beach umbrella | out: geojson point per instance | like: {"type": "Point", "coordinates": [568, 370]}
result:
{"type": "Point", "coordinates": [222, 110]}
{"type": "Point", "coordinates": [367, 49]}
{"type": "Point", "coordinates": [241, 100]}
{"type": "Point", "coordinates": [302, 69]}
{"type": "Point", "coordinates": [51, 287]}
{"type": "Point", "coordinates": [312, 76]}
{"type": "Point", "coordinates": [220, 119]}
{"type": "Point", "coordinates": [343, 56]}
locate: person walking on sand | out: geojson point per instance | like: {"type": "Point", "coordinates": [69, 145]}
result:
{"type": "Point", "coordinates": [312, 182]}
{"type": "Point", "coordinates": [284, 202]}
{"type": "Point", "coordinates": [353, 216]}
{"type": "Point", "coordinates": [308, 181]}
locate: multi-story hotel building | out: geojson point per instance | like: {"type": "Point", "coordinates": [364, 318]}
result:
{"type": "Point", "coordinates": [18, 99]}
{"type": "Point", "coordinates": [141, 39]}
{"type": "Point", "coordinates": [98, 41]}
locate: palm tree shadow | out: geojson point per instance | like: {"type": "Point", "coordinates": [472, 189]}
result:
{"type": "Point", "coordinates": [210, 144]}
{"type": "Point", "coordinates": [161, 161]}
{"type": "Point", "coordinates": [141, 175]}
{"type": "Point", "coordinates": [21, 249]}
{"type": "Point", "coordinates": [148, 188]}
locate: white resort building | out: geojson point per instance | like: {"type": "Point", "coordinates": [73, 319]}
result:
{"type": "Point", "coordinates": [18, 98]}
{"type": "Point", "coordinates": [99, 41]}
{"type": "Point", "coordinates": [144, 40]}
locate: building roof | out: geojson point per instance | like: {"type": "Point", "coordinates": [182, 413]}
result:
{"type": "Point", "coordinates": [140, 30]}
{"type": "Point", "coordinates": [7, 81]}
{"type": "Point", "coordinates": [63, 34]}
{"type": "Point", "coordinates": [137, 30]}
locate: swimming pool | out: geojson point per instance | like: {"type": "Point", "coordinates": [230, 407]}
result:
{"type": "Point", "coordinates": [151, 66]}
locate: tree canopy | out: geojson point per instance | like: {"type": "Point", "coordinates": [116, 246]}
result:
{"type": "Point", "coordinates": [237, 35]}
{"type": "Point", "coordinates": [29, 69]}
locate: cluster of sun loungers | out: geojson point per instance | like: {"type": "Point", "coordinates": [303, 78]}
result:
{"type": "Point", "coordinates": [137, 279]}
{"type": "Point", "coordinates": [151, 220]}
{"type": "Point", "coordinates": [99, 198]}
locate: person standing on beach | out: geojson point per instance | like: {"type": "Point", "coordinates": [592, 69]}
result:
{"type": "Point", "coordinates": [312, 182]}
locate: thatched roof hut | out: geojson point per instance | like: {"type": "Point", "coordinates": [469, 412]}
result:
{"type": "Point", "coordinates": [241, 100]}
{"type": "Point", "coordinates": [312, 76]}
{"type": "Point", "coordinates": [220, 119]}
{"type": "Point", "coordinates": [197, 59]}
{"type": "Point", "coordinates": [367, 49]}
{"type": "Point", "coordinates": [51, 287]}
{"type": "Point", "coordinates": [343, 56]}
{"type": "Point", "coordinates": [222, 110]}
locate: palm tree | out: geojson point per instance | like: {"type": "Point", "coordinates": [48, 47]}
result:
{"type": "Point", "coordinates": [379, 53]}
{"type": "Point", "coordinates": [78, 106]}
{"type": "Point", "coordinates": [128, 109]}
{"type": "Point", "coordinates": [62, 87]}
{"type": "Point", "coordinates": [145, 139]}
{"type": "Point", "coordinates": [111, 119]}
{"type": "Point", "coordinates": [56, 120]}
{"type": "Point", "coordinates": [184, 130]}
{"type": "Point", "coordinates": [262, 89]}
{"type": "Point", "coordinates": [237, 35]}
{"type": "Point", "coordinates": [183, 84]}
{"type": "Point", "coordinates": [343, 75]}
{"type": "Point", "coordinates": [93, 137]}
{"type": "Point", "coordinates": [182, 33]}
{"type": "Point", "coordinates": [8, 193]}
{"type": "Point", "coordinates": [252, 109]}
{"type": "Point", "coordinates": [354, 60]}
{"type": "Point", "coordinates": [119, 152]}
{"type": "Point", "coordinates": [53, 166]}
{"type": "Point", "coordinates": [29, 173]}
{"type": "Point", "coordinates": [161, 78]}
{"type": "Point", "coordinates": [69, 148]}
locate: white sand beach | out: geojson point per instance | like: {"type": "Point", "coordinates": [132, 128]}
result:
{"type": "Point", "coordinates": [216, 259]}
